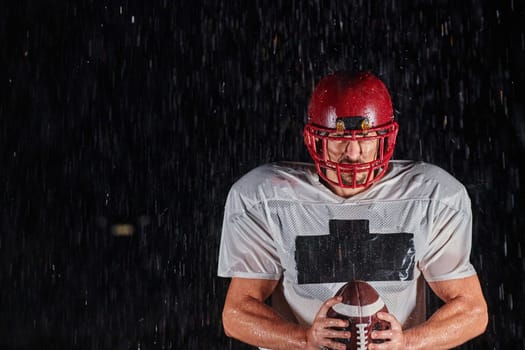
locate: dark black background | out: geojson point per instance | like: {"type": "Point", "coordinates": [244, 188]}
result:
{"type": "Point", "coordinates": [146, 113]}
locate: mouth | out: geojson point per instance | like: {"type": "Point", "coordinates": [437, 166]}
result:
{"type": "Point", "coordinates": [347, 161]}
{"type": "Point", "coordinates": [348, 176]}
{"type": "Point", "coordinates": [349, 179]}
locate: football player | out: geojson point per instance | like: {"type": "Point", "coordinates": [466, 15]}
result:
{"type": "Point", "coordinates": [297, 232]}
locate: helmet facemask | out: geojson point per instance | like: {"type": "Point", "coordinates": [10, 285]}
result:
{"type": "Point", "coordinates": [319, 140]}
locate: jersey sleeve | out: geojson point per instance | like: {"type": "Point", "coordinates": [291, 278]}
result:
{"type": "Point", "coordinates": [449, 242]}
{"type": "Point", "coordinates": [247, 248]}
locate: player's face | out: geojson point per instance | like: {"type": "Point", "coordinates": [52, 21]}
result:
{"type": "Point", "coordinates": [351, 151]}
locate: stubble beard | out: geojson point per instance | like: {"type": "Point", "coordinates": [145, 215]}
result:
{"type": "Point", "coordinates": [348, 178]}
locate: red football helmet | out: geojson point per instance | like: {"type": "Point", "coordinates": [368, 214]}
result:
{"type": "Point", "coordinates": [348, 107]}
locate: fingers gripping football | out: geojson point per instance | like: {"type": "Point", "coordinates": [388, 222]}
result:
{"type": "Point", "coordinates": [393, 338]}
{"type": "Point", "coordinates": [322, 334]}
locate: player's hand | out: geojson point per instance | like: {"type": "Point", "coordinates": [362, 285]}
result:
{"type": "Point", "coordinates": [321, 334]}
{"type": "Point", "coordinates": [393, 337]}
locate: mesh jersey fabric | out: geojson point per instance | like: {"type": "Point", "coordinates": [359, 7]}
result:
{"type": "Point", "coordinates": [282, 223]}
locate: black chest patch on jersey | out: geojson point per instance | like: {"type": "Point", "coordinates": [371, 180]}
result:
{"type": "Point", "coordinates": [351, 252]}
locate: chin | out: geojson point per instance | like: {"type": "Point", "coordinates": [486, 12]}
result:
{"type": "Point", "coordinates": [348, 180]}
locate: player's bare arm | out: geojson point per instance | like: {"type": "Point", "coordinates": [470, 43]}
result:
{"type": "Point", "coordinates": [462, 317]}
{"type": "Point", "coordinates": [246, 317]}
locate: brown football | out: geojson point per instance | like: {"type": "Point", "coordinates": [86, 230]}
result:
{"type": "Point", "coordinates": [359, 306]}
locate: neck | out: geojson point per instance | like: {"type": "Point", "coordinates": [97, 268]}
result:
{"type": "Point", "coordinates": [343, 191]}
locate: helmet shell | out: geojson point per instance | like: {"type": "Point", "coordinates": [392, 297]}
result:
{"type": "Point", "coordinates": [347, 105]}
{"type": "Point", "coordinates": [347, 95]}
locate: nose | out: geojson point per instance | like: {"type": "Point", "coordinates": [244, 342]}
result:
{"type": "Point", "coordinates": [353, 150]}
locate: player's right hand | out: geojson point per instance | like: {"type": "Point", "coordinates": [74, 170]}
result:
{"type": "Point", "coordinates": [321, 334]}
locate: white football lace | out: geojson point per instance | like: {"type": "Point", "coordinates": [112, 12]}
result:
{"type": "Point", "coordinates": [362, 339]}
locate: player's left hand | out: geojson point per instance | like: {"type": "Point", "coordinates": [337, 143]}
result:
{"type": "Point", "coordinates": [393, 337]}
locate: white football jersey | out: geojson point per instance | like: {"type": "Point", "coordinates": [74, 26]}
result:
{"type": "Point", "coordinates": [282, 223]}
